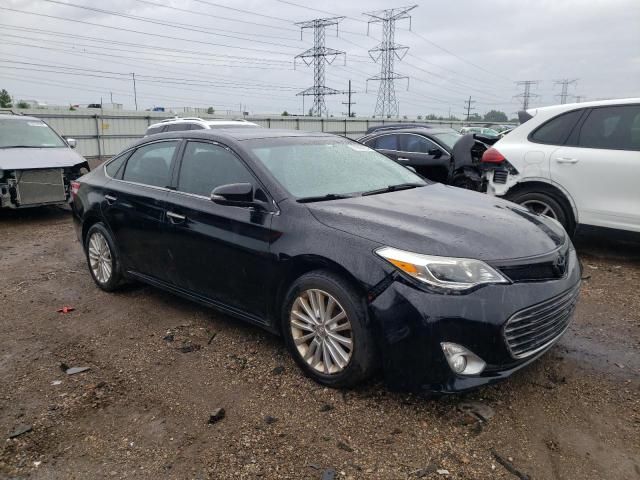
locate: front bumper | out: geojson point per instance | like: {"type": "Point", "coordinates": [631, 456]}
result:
{"type": "Point", "coordinates": [411, 323]}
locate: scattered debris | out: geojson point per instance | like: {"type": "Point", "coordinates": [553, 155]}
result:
{"type": "Point", "coordinates": [586, 277]}
{"type": "Point", "coordinates": [217, 415]}
{"type": "Point", "coordinates": [315, 466]}
{"type": "Point", "coordinates": [327, 407]}
{"type": "Point", "coordinates": [169, 337]}
{"type": "Point", "coordinates": [478, 409]}
{"type": "Point", "coordinates": [269, 419]}
{"type": "Point", "coordinates": [74, 370]}
{"type": "Point", "coordinates": [278, 370]}
{"type": "Point", "coordinates": [37, 463]}
{"type": "Point", "coordinates": [213, 335]}
{"type": "Point", "coordinates": [442, 471]}
{"type": "Point", "coordinates": [509, 466]}
{"type": "Point", "coordinates": [328, 474]}
{"type": "Point", "coordinates": [190, 347]}
{"type": "Point", "coordinates": [425, 472]}
{"type": "Point", "coordinates": [64, 367]}
{"type": "Point", "coordinates": [56, 382]}
{"type": "Point", "coordinates": [619, 365]}
{"type": "Point", "coordinates": [21, 430]}
{"type": "Point", "coordinates": [66, 309]}
{"type": "Point", "coordinates": [344, 446]}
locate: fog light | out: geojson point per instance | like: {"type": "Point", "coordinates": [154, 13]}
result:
{"type": "Point", "coordinates": [462, 360]}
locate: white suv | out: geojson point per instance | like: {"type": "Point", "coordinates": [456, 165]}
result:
{"type": "Point", "coordinates": [578, 163]}
{"type": "Point", "coordinates": [194, 123]}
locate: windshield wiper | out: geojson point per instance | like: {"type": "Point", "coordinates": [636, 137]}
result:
{"type": "Point", "coordinates": [393, 188]}
{"type": "Point", "coordinates": [320, 198]}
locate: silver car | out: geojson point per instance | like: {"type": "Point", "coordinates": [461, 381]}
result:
{"type": "Point", "coordinates": [36, 164]}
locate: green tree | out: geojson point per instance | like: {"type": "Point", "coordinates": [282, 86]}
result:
{"type": "Point", "coordinates": [474, 117]}
{"type": "Point", "coordinates": [419, 117]}
{"type": "Point", "coordinates": [23, 104]}
{"type": "Point", "coordinates": [211, 110]}
{"type": "Point", "coordinates": [5, 99]}
{"type": "Point", "coordinates": [285, 114]}
{"type": "Point", "coordinates": [495, 116]}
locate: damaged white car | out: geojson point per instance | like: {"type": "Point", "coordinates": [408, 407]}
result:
{"type": "Point", "coordinates": [36, 164]}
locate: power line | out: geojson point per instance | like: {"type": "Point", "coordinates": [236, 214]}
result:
{"type": "Point", "coordinates": [386, 53]}
{"type": "Point", "coordinates": [565, 88]}
{"type": "Point", "coordinates": [526, 95]}
{"type": "Point", "coordinates": [319, 56]}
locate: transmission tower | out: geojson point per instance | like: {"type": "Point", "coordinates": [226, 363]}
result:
{"type": "Point", "coordinates": [565, 88]}
{"type": "Point", "coordinates": [580, 98]}
{"type": "Point", "coordinates": [468, 105]}
{"type": "Point", "coordinates": [319, 55]}
{"type": "Point", "coordinates": [386, 52]}
{"type": "Point", "coordinates": [526, 95]}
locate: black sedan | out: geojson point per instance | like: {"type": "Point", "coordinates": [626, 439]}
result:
{"type": "Point", "coordinates": [355, 260]}
{"type": "Point", "coordinates": [435, 153]}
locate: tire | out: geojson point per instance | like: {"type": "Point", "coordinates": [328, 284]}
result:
{"type": "Point", "coordinates": [361, 354]}
{"type": "Point", "coordinates": [541, 202]}
{"type": "Point", "coordinates": [107, 252]}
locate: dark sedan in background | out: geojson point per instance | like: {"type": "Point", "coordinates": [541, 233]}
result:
{"type": "Point", "coordinates": [355, 260]}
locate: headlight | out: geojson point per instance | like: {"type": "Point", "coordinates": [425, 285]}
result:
{"type": "Point", "coordinates": [443, 272]}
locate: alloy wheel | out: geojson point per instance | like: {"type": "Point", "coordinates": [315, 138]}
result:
{"type": "Point", "coordinates": [100, 258]}
{"type": "Point", "coordinates": [539, 207]}
{"type": "Point", "coordinates": [321, 331]}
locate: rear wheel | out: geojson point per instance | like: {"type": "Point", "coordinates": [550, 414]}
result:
{"type": "Point", "coordinates": [102, 258]}
{"type": "Point", "coordinates": [545, 203]}
{"type": "Point", "coordinates": [325, 331]}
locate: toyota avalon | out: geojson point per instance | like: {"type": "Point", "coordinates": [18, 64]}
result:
{"type": "Point", "coordinates": [356, 261]}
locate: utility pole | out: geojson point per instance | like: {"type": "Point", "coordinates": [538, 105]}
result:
{"type": "Point", "coordinates": [468, 106]}
{"type": "Point", "coordinates": [349, 102]}
{"type": "Point", "coordinates": [526, 95]}
{"type": "Point", "coordinates": [319, 55]}
{"type": "Point", "coordinates": [135, 93]}
{"type": "Point", "coordinates": [385, 53]}
{"type": "Point", "coordinates": [565, 88]}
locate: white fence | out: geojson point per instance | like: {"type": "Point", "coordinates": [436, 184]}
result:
{"type": "Point", "coordinates": [102, 134]}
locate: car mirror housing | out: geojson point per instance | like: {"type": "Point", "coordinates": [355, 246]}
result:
{"type": "Point", "coordinates": [234, 194]}
{"type": "Point", "coordinates": [71, 142]}
{"type": "Point", "coordinates": [436, 152]}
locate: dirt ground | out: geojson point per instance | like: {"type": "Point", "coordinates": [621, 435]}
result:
{"type": "Point", "coordinates": [157, 373]}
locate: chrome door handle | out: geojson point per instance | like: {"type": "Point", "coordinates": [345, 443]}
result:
{"type": "Point", "coordinates": [566, 160]}
{"type": "Point", "coordinates": [175, 217]}
{"type": "Point", "coordinates": [110, 199]}
{"type": "Point", "coordinates": [402, 159]}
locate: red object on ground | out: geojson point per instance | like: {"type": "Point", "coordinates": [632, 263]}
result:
{"type": "Point", "coordinates": [66, 309]}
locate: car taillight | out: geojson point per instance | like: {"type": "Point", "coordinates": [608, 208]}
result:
{"type": "Point", "coordinates": [75, 186]}
{"type": "Point", "coordinates": [492, 155]}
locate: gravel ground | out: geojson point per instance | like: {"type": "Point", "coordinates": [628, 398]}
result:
{"type": "Point", "coordinates": [160, 366]}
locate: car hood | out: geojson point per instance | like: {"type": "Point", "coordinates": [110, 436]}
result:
{"type": "Point", "coordinates": [446, 221]}
{"type": "Point", "coordinates": [27, 158]}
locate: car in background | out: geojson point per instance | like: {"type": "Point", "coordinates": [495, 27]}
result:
{"type": "Point", "coordinates": [430, 152]}
{"type": "Point", "coordinates": [484, 131]}
{"type": "Point", "coordinates": [356, 261]}
{"type": "Point", "coordinates": [394, 126]}
{"type": "Point", "coordinates": [194, 123]}
{"type": "Point", "coordinates": [36, 164]}
{"type": "Point", "coordinates": [577, 163]}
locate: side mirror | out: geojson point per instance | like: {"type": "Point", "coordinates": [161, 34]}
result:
{"type": "Point", "coordinates": [234, 194]}
{"type": "Point", "coordinates": [71, 142]}
{"type": "Point", "coordinates": [436, 152]}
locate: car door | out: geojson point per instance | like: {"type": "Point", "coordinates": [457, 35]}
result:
{"type": "Point", "coordinates": [600, 166]}
{"type": "Point", "coordinates": [386, 143]}
{"type": "Point", "coordinates": [218, 252]}
{"type": "Point", "coordinates": [134, 207]}
{"type": "Point", "coordinates": [425, 156]}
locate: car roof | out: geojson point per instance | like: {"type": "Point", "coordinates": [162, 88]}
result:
{"type": "Point", "coordinates": [215, 121]}
{"type": "Point", "coordinates": [418, 130]}
{"type": "Point", "coordinates": [570, 106]}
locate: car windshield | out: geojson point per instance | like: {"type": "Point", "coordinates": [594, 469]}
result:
{"type": "Point", "coordinates": [310, 168]}
{"type": "Point", "coordinates": [448, 138]}
{"type": "Point", "coordinates": [29, 133]}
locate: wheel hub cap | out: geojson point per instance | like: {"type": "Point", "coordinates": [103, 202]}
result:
{"type": "Point", "coordinates": [321, 331]}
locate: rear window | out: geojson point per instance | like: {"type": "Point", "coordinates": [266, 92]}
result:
{"type": "Point", "coordinates": [178, 127]}
{"type": "Point", "coordinates": [152, 130]}
{"type": "Point", "coordinates": [557, 130]}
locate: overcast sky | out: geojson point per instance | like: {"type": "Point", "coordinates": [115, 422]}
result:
{"type": "Point", "coordinates": [225, 53]}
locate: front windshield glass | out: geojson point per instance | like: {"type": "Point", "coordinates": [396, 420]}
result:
{"type": "Point", "coordinates": [318, 167]}
{"type": "Point", "coordinates": [28, 133]}
{"type": "Point", "coordinates": [448, 138]}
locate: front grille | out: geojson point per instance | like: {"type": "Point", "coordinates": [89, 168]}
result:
{"type": "Point", "coordinates": [533, 272]}
{"type": "Point", "coordinates": [35, 187]}
{"type": "Point", "coordinates": [534, 328]}
{"type": "Point", "coordinates": [500, 176]}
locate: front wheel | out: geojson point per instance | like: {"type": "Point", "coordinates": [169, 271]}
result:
{"type": "Point", "coordinates": [325, 329]}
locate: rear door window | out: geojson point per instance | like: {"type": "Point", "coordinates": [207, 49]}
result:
{"type": "Point", "coordinates": [206, 166]}
{"type": "Point", "coordinates": [557, 130]}
{"type": "Point", "coordinates": [612, 128]}
{"type": "Point", "coordinates": [151, 164]}
{"type": "Point", "coordinates": [387, 142]}
{"type": "Point", "coordinates": [416, 144]}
